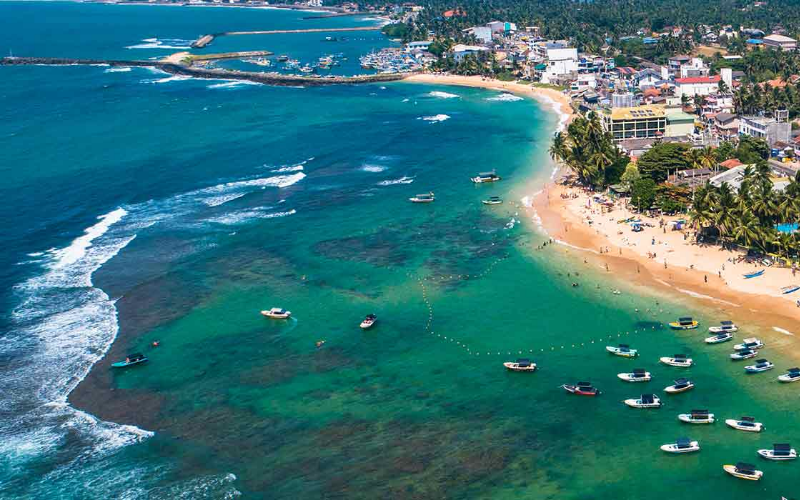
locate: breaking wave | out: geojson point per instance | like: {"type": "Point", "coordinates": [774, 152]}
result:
{"type": "Point", "coordinates": [155, 43]}
{"type": "Point", "coordinates": [434, 118]}
{"type": "Point", "coordinates": [505, 97]}
{"type": "Point", "coordinates": [392, 182]}
{"type": "Point", "coordinates": [443, 95]}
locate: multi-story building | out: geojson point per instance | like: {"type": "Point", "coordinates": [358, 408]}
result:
{"type": "Point", "coordinates": [639, 122]}
{"type": "Point", "coordinates": [767, 128]}
{"type": "Point", "coordinates": [558, 58]}
{"type": "Point", "coordinates": [782, 42]}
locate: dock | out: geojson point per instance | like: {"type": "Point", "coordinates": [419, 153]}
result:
{"type": "Point", "coordinates": [201, 42]}
{"type": "Point", "coordinates": [206, 40]}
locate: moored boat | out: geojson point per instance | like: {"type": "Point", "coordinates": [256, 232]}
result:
{"type": "Point", "coordinates": [743, 354]}
{"type": "Point", "coordinates": [743, 471]}
{"type": "Point", "coordinates": [680, 385]}
{"type": "Point", "coordinates": [685, 323]}
{"type": "Point", "coordinates": [423, 198]}
{"type": "Point", "coordinates": [484, 177]}
{"type": "Point", "coordinates": [679, 360]}
{"type": "Point", "coordinates": [644, 401]}
{"type": "Point", "coordinates": [761, 365]}
{"type": "Point", "coordinates": [747, 424]}
{"type": "Point", "coordinates": [492, 200]}
{"type": "Point", "coordinates": [520, 365]}
{"type": "Point", "coordinates": [637, 375]}
{"type": "Point", "coordinates": [130, 360]}
{"type": "Point", "coordinates": [719, 338]}
{"type": "Point", "coordinates": [782, 451]}
{"type": "Point", "coordinates": [682, 445]}
{"type": "Point", "coordinates": [751, 343]}
{"type": "Point", "coordinates": [697, 417]}
{"type": "Point", "coordinates": [724, 326]}
{"type": "Point", "coordinates": [277, 313]}
{"type": "Point", "coordinates": [623, 350]}
{"type": "Point", "coordinates": [368, 321]}
{"type": "Point", "coordinates": [581, 389]}
{"type": "Point", "coordinates": [792, 375]}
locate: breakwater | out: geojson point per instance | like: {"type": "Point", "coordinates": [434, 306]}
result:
{"type": "Point", "coordinates": [208, 73]}
{"type": "Point", "coordinates": [206, 40]}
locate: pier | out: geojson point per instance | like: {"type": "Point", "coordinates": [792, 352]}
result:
{"type": "Point", "coordinates": [206, 40]}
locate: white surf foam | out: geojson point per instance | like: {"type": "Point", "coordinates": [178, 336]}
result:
{"type": "Point", "coordinates": [781, 330]}
{"type": "Point", "coordinates": [434, 118]}
{"type": "Point", "coordinates": [155, 43]}
{"type": "Point", "coordinates": [232, 84]}
{"type": "Point", "coordinates": [172, 78]}
{"type": "Point", "coordinates": [244, 216]}
{"type": "Point", "coordinates": [505, 97]}
{"type": "Point", "coordinates": [443, 95]}
{"type": "Point", "coordinates": [373, 168]}
{"type": "Point", "coordinates": [216, 201]}
{"type": "Point", "coordinates": [118, 69]}
{"type": "Point", "coordinates": [392, 182]}
{"type": "Point", "coordinates": [290, 168]}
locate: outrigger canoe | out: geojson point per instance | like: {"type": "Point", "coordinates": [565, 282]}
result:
{"type": "Point", "coordinates": [132, 359]}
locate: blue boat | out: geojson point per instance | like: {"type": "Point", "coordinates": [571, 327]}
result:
{"type": "Point", "coordinates": [753, 275]}
{"type": "Point", "coordinates": [789, 289]}
{"type": "Point", "coordinates": [132, 359]}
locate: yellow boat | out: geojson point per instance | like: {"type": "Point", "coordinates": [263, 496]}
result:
{"type": "Point", "coordinates": [684, 324]}
{"type": "Point", "coordinates": [743, 471]}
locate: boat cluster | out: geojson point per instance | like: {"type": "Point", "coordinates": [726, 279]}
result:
{"type": "Point", "coordinates": [481, 178]}
{"type": "Point", "coordinates": [390, 61]}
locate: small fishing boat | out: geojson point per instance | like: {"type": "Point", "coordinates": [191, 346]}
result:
{"type": "Point", "coordinates": [745, 354]}
{"type": "Point", "coordinates": [719, 338]}
{"type": "Point", "coordinates": [682, 445]}
{"type": "Point", "coordinates": [423, 198]}
{"type": "Point", "coordinates": [581, 389]}
{"type": "Point", "coordinates": [779, 452]}
{"type": "Point", "coordinates": [747, 424]}
{"type": "Point", "coordinates": [751, 343]}
{"type": "Point", "coordinates": [130, 360]}
{"type": "Point", "coordinates": [754, 274]}
{"type": "Point", "coordinates": [283, 58]}
{"type": "Point", "coordinates": [492, 200]}
{"type": "Point", "coordinates": [790, 289]}
{"type": "Point", "coordinates": [679, 360]}
{"type": "Point", "coordinates": [792, 375]}
{"type": "Point", "coordinates": [484, 177]}
{"type": "Point", "coordinates": [520, 365]}
{"type": "Point", "coordinates": [680, 385]}
{"type": "Point", "coordinates": [761, 365]}
{"type": "Point", "coordinates": [623, 350]}
{"type": "Point", "coordinates": [724, 327]}
{"type": "Point", "coordinates": [697, 417]}
{"type": "Point", "coordinates": [277, 313]}
{"type": "Point", "coordinates": [644, 401]}
{"type": "Point", "coordinates": [743, 471]}
{"type": "Point", "coordinates": [637, 375]}
{"type": "Point", "coordinates": [686, 323]}
{"type": "Point", "coordinates": [368, 321]}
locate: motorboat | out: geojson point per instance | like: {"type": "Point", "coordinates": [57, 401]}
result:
{"type": "Point", "coordinates": [423, 198]}
{"type": "Point", "coordinates": [719, 338]}
{"type": "Point", "coordinates": [685, 323]}
{"type": "Point", "coordinates": [492, 200]}
{"type": "Point", "coordinates": [680, 385]}
{"type": "Point", "coordinates": [761, 365]}
{"type": "Point", "coordinates": [581, 389]}
{"type": "Point", "coordinates": [744, 354]}
{"type": "Point", "coordinates": [724, 326]}
{"type": "Point", "coordinates": [368, 322]}
{"type": "Point", "coordinates": [793, 375]}
{"type": "Point", "coordinates": [644, 401]}
{"type": "Point", "coordinates": [130, 360]}
{"type": "Point", "coordinates": [750, 343]}
{"type": "Point", "coordinates": [283, 58]}
{"type": "Point", "coordinates": [484, 177]}
{"type": "Point", "coordinates": [623, 350]}
{"type": "Point", "coordinates": [637, 375]}
{"type": "Point", "coordinates": [779, 452]}
{"type": "Point", "coordinates": [747, 424]}
{"type": "Point", "coordinates": [520, 365]}
{"type": "Point", "coordinates": [743, 471]}
{"type": "Point", "coordinates": [277, 313]}
{"type": "Point", "coordinates": [679, 360]}
{"type": "Point", "coordinates": [697, 417]}
{"type": "Point", "coordinates": [682, 445]}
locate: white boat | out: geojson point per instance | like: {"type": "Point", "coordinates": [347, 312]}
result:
{"type": "Point", "coordinates": [680, 385]}
{"type": "Point", "coordinates": [779, 452]}
{"type": "Point", "coordinates": [761, 365]}
{"type": "Point", "coordinates": [484, 177]}
{"type": "Point", "coordinates": [679, 360]}
{"type": "Point", "coordinates": [368, 322]}
{"type": "Point", "coordinates": [719, 338]}
{"type": "Point", "coordinates": [744, 354]}
{"type": "Point", "coordinates": [520, 365]}
{"type": "Point", "coordinates": [747, 424]}
{"type": "Point", "coordinates": [743, 471]}
{"type": "Point", "coordinates": [697, 417]}
{"type": "Point", "coordinates": [637, 375]}
{"type": "Point", "coordinates": [644, 401]}
{"type": "Point", "coordinates": [793, 375]}
{"type": "Point", "coordinates": [682, 445]}
{"type": "Point", "coordinates": [724, 326]}
{"type": "Point", "coordinates": [492, 200]}
{"type": "Point", "coordinates": [423, 198]}
{"type": "Point", "coordinates": [751, 343]}
{"type": "Point", "coordinates": [623, 350]}
{"type": "Point", "coordinates": [277, 313]}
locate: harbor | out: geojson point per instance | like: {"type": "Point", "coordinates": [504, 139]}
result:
{"type": "Point", "coordinates": [206, 40]}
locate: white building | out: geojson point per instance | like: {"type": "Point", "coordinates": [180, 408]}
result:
{"type": "Point", "coordinates": [501, 27]}
{"type": "Point", "coordinates": [769, 129]}
{"type": "Point", "coordinates": [481, 33]}
{"type": "Point", "coordinates": [460, 51]}
{"type": "Point", "coordinates": [584, 82]}
{"type": "Point", "coordinates": [695, 67]}
{"type": "Point", "coordinates": [780, 42]}
{"type": "Point", "coordinates": [559, 59]}
{"type": "Point", "coordinates": [412, 46]}
{"type": "Point", "coordinates": [703, 85]}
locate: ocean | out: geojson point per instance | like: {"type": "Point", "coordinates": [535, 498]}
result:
{"type": "Point", "coordinates": [142, 207]}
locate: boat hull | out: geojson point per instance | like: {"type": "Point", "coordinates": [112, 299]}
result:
{"type": "Point", "coordinates": [721, 329]}
{"type": "Point", "coordinates": [688, 420]}
{"type": "Point", "coordinates": [673, 362]}
{"type": "Point", "coordinates": [634, 403]}
{"type": "Point", "coordinates": [123, 364]}
{"type": "Point", "coordinates": [673, 390]}
{"type": "Point", "coordinates": [271, 315]}
{"type": "Point", "coordinates": [673, 448]}
{"type": "Point", "coordinates": [734, 424]}
{"type": "Point", "coordinates": [770, 455]}
{"type": "Point", "coordinates": [785, 379]}
{"type": "Point", "coordinates": [718, 340]}
{"type": "Point", "coordinates": [678, 326]}
{"type": "Point", "coordinates": [731, 469]}
{"type": "Point", "coordinates": [627, 377]}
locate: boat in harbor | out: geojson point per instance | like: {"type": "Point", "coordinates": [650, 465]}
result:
{"type": "Point", "coordinates": [423, 198]}
{"type": "Point", "coordinates": [743, 354]}
{"type": "Point", "coordinates": [282, 58]}
{"type": "Point", "coordinates": [644, 401]}
{"type": "Point", "coordinates": [277, 313]}
{"type": "Point", "coordinates": [747, 424]}
{"type": "Point", "coordinates": [130, 360]}
{"type": "Point", "coordinates": [520, 365]}
{"type": "Point", "coordinates": [685, 323]}
{"type": "Point", "coordinates": [680, 385]}
{"type": "Point", "coordinates": [679, 360]}
{"type": "Point", "coordinates": [697, 417]}
{"type": "Point", "coordinates": [791, 375]}
{"type": "Point", "coordinates": [637, 375]}
{"type": "Point", "coordinates": [761, 365]}
{"type": "Point", "coordinates": [492, 200]}
{"type": "Point", "coordinates": [751, 343]}
{"type": "Point", "coordinates": [783, 451]}
{"type": "Point", "coordinates": [485, 177]}
{"type": "Point", "coordinates": [743, 471]}
{"type": "Point", "coordinates": [682, 445]}
{"type": "Point", "coordinates": [581, 389]}
{"type": "Point", "coordinates": [719, 338]}
{"type": "Point", "coordinates": [623, 350]}
{"type": "Point", "coordinates": [724, 327]}
{"type": "Point", "coordinates": [368, 322]}
{"type": "Point", "coordinates": [755, 274]}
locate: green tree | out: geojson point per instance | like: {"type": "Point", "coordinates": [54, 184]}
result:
{"type": "Point", "coordinates": [643, 194]}
{"type": "Point", "coordinates": [663, 158]}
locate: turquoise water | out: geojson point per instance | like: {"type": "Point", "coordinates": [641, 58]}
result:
{"type": "Point", "coordinates": [219, 201]}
